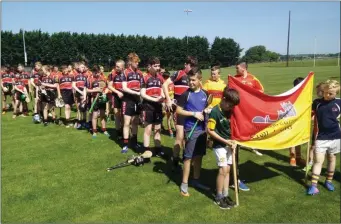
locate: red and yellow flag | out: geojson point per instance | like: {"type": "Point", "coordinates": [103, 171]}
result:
{"type": "Point", "coordinates": [272, 122]}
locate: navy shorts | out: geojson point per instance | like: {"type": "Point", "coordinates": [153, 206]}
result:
{"type": "Point", "coordinates": [116, 101]}
{"type": "Point", "coordinates": [179, 119]}
{"type": "Point", "coordinates": [196, 145]}
{"type": "Point", "coordinates": [67, 96]}
{"type": "Point", "coordinates": [152, 117]}
{"type": "Point", "coordinates": [130, 108]}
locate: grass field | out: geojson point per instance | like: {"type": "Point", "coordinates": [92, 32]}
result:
{"type": "Point", "coordinates": [53, 174]}
{"type": "Point", "coordinates": [300, 63]}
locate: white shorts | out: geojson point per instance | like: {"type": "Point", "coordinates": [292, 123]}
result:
{"type": "Point", "coordinates": [223, 156]}
{"type": "Point", "coordinates": [329, 146]}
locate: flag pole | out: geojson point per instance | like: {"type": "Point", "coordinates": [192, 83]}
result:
{"type": "Point", "coordinates": [308, 145]}
{"type": "Point", "coordinates": [307, 162]}
{"type": "Point", "coordinates": [236, 187]}
{"type": "Point", "coordinates": [25, 55]}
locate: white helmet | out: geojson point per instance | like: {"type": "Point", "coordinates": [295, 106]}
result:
{"type": "Point", "coordinates": [36, 119]}
{"type": "Point", "coordinates": [59, 102]}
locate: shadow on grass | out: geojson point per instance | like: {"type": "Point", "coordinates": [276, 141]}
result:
{"type": "Point", "coordinates": [252, 172]}
{"type": "Point", "coordinates": [113, 136]}
{"type": "Point", "coordinates": [295, 173]}
{"type": "Point", "coordinates": [276, 155]}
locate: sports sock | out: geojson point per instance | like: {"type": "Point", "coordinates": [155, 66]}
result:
{"type": "Point", "coordinates": [134, 139]}
{"type": "Point", "coordinates": [330, 175]}
{"type": "Point", "coordinates": [226, 192]}
{"type": "Point", "coordinates": [219, 196]}
{"type": "Point", "coordinates": [125, 142]}
{"type": "Point", "coordinates": [184, 187]}
{"type": "Point", "coordinates": [314, 179]}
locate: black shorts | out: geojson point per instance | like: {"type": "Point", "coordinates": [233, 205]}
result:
{"type": "Point", "coordinates": [179, 119]}
{"type": "Point", "coordinates": [99, 106]}
{"type": "Point", "coordinates": [196, 145]}
{"type": "Point", "coordinates": [116, 101]}
{"type": "Point", "coordinates": [49, 97]}
{"type": "Point", "coordinates": [130, 108]}
{"type": "Point", "coordinates": [152, 117]}
{"type": "Point", "coordinates": [67, 96]}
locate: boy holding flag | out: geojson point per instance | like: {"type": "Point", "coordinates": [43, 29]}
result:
{"type": "Point", "coordinates": [219, 129]}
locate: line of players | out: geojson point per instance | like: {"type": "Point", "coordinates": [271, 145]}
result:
{"type": "Point", "coordinates": [131, 93]}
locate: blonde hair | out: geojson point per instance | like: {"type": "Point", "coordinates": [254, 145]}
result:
{"type": "Point", "coordinates": [120, 61]}
{"type": "Point", "coordinates": [38, 63]}
{"type": "Point", "coordinates": [319, 89]}
{"type": "Point", "coordinates": [133, 57]}
{"type": "Point", "coordinates": [46, 68]}
{"type": "Point", "coordinates": [331, 84]}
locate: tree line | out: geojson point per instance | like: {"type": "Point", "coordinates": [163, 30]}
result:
{"type": "Point", "coordinates": [65, 47]}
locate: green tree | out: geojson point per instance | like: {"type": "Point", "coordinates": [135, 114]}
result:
{"type": "Point", "coordinates": [225, 51]}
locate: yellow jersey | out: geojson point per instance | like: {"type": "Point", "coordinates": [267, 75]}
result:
{"type": "Point", "coordinates": [215, 88]}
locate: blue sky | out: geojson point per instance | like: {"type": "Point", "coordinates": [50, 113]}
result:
{"type": "Point", "coordinates": [248, 23]}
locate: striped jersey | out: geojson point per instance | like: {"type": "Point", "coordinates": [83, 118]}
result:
{"type": "Point", "coordinates": [251, 81]}
{"type": "Point", "coordinates": [215, 88]}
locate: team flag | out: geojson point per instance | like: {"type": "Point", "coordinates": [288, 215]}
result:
{"type": "Point", "coordinates": [272, 122]}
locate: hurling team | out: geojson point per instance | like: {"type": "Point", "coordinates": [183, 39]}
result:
{"type": "Point", "coordinates": [198, 111]}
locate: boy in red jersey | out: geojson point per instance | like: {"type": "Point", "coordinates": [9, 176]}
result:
{"type": "Point", "coordinates": [115, 85]}
{"type": "Point", "coordinates": [79, 86]}
{"type": "Point", "coordinates": [6, 87]}
{"type": "Point", "coordinates": [131, 86]}
{"type": "Point", "coordinates": [49, 86]}
{"type": "Point", "coordinates": [93, 87]}
{"type": "Point", "coordinates": [25, 78]}
{"type": "Point", "coordinates": [35, 80]}
{"type": "Point", "coordinates": [153, 96]}
{"type": "Point", "coordinates": [65, 86]}
{"type": "Point", "coordinates": [20, 91]}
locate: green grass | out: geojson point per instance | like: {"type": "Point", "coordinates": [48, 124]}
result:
{"type": "Point", "coordinates": [299, 63]}
{"type": "Point", "coordinates": [53, 174]}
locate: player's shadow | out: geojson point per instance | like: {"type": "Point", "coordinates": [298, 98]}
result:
{"type": "Point", "coordinates": [113, 136]}
{"type": "Point", "coordinates": [276, 155]}
{"type": "Point", "coordinates": [207, 176]}
{"type": "Point", "coordinates": [250, 171]}
{"type": "Point", "coordinates": [294, 173]}
{"type": "Point", "coordinates": [253, 172]}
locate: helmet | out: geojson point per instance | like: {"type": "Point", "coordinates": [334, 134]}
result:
{"type": "Point", "coordinates": [22, 97]}
{"type": "Point", "coordinates": [36, 119]}
{"type": "Point", "coordinates": [103, 98]}
{"type": "Point", "coordinates": [60, 102]}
